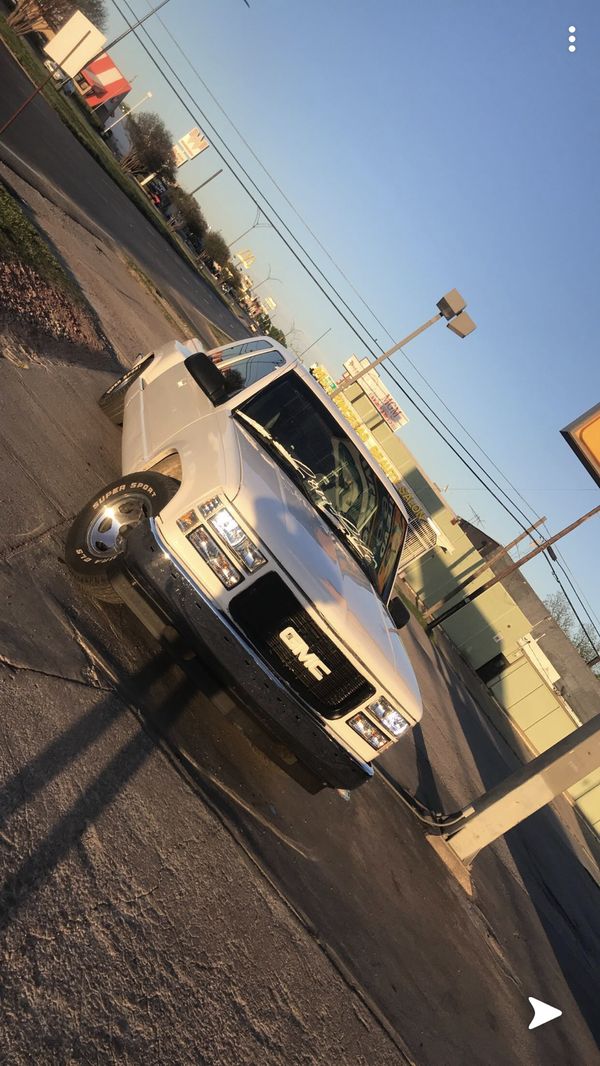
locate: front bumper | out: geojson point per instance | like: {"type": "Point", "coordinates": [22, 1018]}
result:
{"type": "Point", "coordinates": [150, 572]}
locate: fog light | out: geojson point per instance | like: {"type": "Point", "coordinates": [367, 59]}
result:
{"type": "Point", "coordinates": [389, 716]}
{"type": "Point", "coordinates": [369, 732]}
{"type": "Point", "coordinates": [225, 525]}
{"type": "Point", "coordinates": [188, 521]}
{"type": "Point", "coordinates": [216, 559]}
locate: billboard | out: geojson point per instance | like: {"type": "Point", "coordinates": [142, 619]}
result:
{"type": "Point", "coordinates": [193, 143]}
{"type": "Point", "coordinates": [79, 40]}
{"type": "Point", "coordinates": [583, 435]}
{"type": "Point", "coordinates": [379, 396]}
{"type": "Point", "coordinates": [246, 258]}
{"type": "Point", "coordinates": [179, 156]}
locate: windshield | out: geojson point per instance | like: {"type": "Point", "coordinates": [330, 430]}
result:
{"type": "Point", "coordinates": [326, 464]}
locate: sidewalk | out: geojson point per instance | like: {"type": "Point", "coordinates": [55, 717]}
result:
{"type": "Point", "coordinates": [133, 314]}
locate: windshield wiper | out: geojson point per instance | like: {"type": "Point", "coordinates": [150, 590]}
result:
{"type": "Point", "coordinates": [297, 464]}
{"type": "Point", "coordinates": [320, 501]}
{"type": "Point", "coordinates": [349, 530]}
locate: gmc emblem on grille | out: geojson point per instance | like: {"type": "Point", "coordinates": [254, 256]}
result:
{"type": "Point", "coordinates": [300, 649]}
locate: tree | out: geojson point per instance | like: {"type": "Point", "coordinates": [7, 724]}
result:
{"type": "Point", "coordinates": [189, 211]}
{"type": "Point", "coordinates": [95, 10]}
{"type": "Point", "coordinates": [266, 326]}
{"type": "Point", "coordinates": [233, 277]}
{"type": "Point", "coordinates": [151, 146]}
{"type": "Point", "coordinates": [277, 334]}
{"type": "Point", "coordinates": [562, 613]}
{"type": "Point", "coordinates": [29, 15]}
{"type": "Point", "coordinates": [215, 248]}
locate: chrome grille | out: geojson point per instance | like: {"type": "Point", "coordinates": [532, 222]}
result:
{"type": "Point", "coordinates": [262, 612]}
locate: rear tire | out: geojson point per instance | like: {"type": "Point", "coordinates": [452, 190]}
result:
{"type": "Point", "coordinates": [97, 537]}
{"type": "Point", "coordinates": [112, 402]}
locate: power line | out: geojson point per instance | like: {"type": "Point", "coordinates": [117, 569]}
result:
{"type": "Point", "coordinates": [215, 136]}
{"type": "Point", "coordinates": [497, 498]}
{"type": "Point", "coordinates": [561, 562]}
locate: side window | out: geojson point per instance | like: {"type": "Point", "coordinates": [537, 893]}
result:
{"type": "Point", "coordinates": [229, 353]}
{"type": "Point", "coordinates": [225, 354]}
{"type": "Point", "coordinates": [248, 371]}
{"type": "Point", "coordinates": [255, 346]}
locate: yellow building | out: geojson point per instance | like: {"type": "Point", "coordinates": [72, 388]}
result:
{"type": "Point", "coordinates": [541, 686]}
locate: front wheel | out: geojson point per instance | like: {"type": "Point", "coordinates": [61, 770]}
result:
{"type": "Point", "coordinates": [97, 537]}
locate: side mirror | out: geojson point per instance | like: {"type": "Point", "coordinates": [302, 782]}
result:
{"type": "Point", "coordinates": [399, 612]}
{"type": "Point", "coordinates": [208, 377]}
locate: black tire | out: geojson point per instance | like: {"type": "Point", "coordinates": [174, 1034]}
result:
{"type": "Point", "coordinates": [112, 401]}
{"type": "Point", "coordinates": [96, 538]}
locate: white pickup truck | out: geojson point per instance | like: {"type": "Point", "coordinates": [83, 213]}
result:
{"type": "Point", "coordinates": [254, 523]}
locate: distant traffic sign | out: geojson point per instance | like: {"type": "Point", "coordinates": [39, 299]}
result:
{"type": "Point", "coordinates": [583, 435]}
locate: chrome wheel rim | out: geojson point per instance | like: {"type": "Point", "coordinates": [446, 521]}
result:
{"type": "Point", "coordinates": [109, 527]}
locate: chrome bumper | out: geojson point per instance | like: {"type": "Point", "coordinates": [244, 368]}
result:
{"type": "Point", "coordinates": [160, 592]}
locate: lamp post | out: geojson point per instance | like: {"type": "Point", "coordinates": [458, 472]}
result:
{"type": "Point", "coordinates": [305, 350]}
{"type": "Point", "coordinates": [203, 183]}
{"type": "Point", "coordinates": [257, 224]}
{"type": "Point", "coordinates": [451, 307]}
{"type": "Point", "coordinates": [127, 113]}
{"type": "Point", "coordinates": [269, 277]}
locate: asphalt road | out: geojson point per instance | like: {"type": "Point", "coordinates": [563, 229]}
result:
{"type": "Point", "coordinates": [448, 978]}
{"type": "Point", "coordinates": [40, 140]}
{"type": "Point", "coordinates": [443, 979]}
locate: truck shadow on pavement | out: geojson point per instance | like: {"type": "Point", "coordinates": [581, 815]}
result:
{"type": "Point", "coordinates": [40, 771]}
{"type": "Point", "coordinates": [22, 343]}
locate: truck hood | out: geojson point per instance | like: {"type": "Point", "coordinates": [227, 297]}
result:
{"type": "Point", "coordinates": [308, 549]}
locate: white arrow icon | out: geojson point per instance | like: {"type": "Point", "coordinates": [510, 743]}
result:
{"type": "Point", "coordinates": [542, 1012]}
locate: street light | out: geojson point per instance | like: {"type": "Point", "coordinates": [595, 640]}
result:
{"type": "Point", "coordinates": [451, 307]}
{"type": "Point", "coordinates": [269, 277]}
{"type": "Point", "coordinates": [305, 350]}
{"type": "Point", "coordinates": [128, 112]}
{"type": "Point", "coordinates": [257, 224]}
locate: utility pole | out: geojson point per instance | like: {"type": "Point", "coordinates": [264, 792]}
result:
{"type": "Point", "coordinates": [105, 48]}
{"type": "Point", "coordinates": [486, 564]}
{"type": "Point", "coordinates": [146, 96]}
{"type": "Point", "coordinates": [526, 790]}
{"type": "Point", "coordinates": [515, 566]}
{"type": "Point", "coordinates": [41, 86]}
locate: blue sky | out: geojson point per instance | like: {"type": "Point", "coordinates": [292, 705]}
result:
{"type": "Point", "coordinates": [429, 146]}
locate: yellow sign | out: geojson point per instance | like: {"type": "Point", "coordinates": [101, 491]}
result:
{"type": "Point", "coordinates": [583, 435]}
{"type": "Point", "coordinates": [324, 378]}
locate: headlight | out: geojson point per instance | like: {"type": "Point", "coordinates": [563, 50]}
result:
{"type": "Point", "coordinates": [232, 534]}
{"type": "Point", "coordinates": [389, 716]}
{"type": "Point", "coordinates": [369, 732]}
{"type": "Point", "coordinates": [216, 559]}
